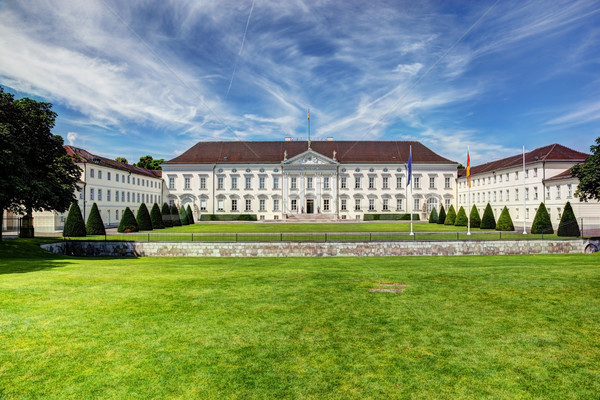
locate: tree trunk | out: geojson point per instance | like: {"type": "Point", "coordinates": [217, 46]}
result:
{"type": "Point", "coordinates": [27, 226]}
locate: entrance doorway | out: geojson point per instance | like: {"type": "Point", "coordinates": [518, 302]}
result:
{"type": "Point", "coordinates": [310, 206]}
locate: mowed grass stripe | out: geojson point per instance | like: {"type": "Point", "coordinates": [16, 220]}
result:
{"type": "Point", "coordinates": [464, 327]}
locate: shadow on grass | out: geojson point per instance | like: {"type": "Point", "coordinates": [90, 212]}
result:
{"type": "Point", "coordinates": [26, 255]}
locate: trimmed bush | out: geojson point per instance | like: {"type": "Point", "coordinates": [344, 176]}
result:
{"type": "Point", "coordinates": [505, 221]}
{"type": "Point", "coordinates": [74, 225]}
{"type": "Point", "coordinates": [166, 216]}
{"type": "Point", "coordinates": [461, 217]}
{"type": "Point", "coordinates": [568, 223]}
{"type": "Point", "coordinates": [143, 218]}
{"type": "Point", "coordinates": [541, 222]}
{"type": "Point", "coordinates": [183, 216]}
{"type": "Point", "coordinates": [433, 216]}
{"type": "Point", "coordinates": [128, 222]}
{"type": "Point", "coordinates": [475, 218]}
{"type": "Point", "coordinates": [488, 221]}
{"type": "Point", "coordinates": [451, 216]}
{"type": "Point", "coordinates": [175, 216]}
{"type": "Point", "coordinates": [156, 217]}
{"type": "Point", "coordinates": [389, 217]}
{"type": "Point", "coordinates": [190, 215]}
{"type": "Point", "coordinates": [441, 216]}
{"type": "Point", "coordinates": [95, 225]}
{"type": "Point", "coordinates": [228, 217]}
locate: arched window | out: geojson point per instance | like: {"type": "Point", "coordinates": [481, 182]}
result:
{"type": "Point", "coordinates": [431, 204]}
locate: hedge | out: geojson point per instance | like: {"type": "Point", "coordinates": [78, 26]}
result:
{"type": "Point", "coordinates": [488, 221]}
{"type": "Point", "coordinates": [228, 217]}
{"type": "Point", "coordinates": [505, 222]}
{"type": "Point", "coordinates": [190, 215]}
{"type": "Point", "coordinates": [461, 217]}
{"type": "Point", "coordinates": [128, 222]}
{"type": "Point", "coordinates": [183, 216]}
{"type": "Point", "coordinates": [451, 216]}
{"type": "Point", "coordinates": [568, 223]}
{"type": "Point", "coordinates": [175, 216]}
{"type": "Point", "coordinates": [475, 218]}
{"type": "Point", "coordinates": [156, 217]}
{"type": "Point", "coordinates": [441, 216]}
{"type": "Point", "coordinates": [433, 216]}
{"type": "Point", "coordinates": [143, 218]}
{"type": "Point", "coordinates": [95, 225]}
{"type": "Point", "coordinates": [390, 217]}
{"type": "Point", "coordinates": [74, 225]}
{"type": "Point", "coordinates": [541, 222]}
{"type": "Point", "coordinates": [166, 216]}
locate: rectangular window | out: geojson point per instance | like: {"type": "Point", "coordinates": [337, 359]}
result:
{"type": "Point", "coordinates": [261, 182]}
{"type": "Point", "coordinates": [558, 191]}
{"type": "Point", "coordinates": [275, 204]}
{"type": "Point", "coordinates": [344, 183]}
{"type": "Point", "coordinates": [203, 205]}
{"type": "Point", "coordinates": [516, 194]}
{"type": "Point", "coordinates": [385, 183]}
{"type": "Point", "coordinates": [371, 182]}
{"type": "Point", "coordinates": [294, 205]}
{"type": "Point", "coordinates": [344, 205]}
{"type": "Point", "coordinates": [325, 204]}
{"type": "Point", "coordinates": [220, 182]}
{"type": "Point", "coordinates": [261, 205]}
{"type": "Point", "coordinates": [138, 197]}
{"type": "Point", "coordinates": [432, 182]}
{"type": "Point", "coordinates": [398, 182]}
{"type": "Point", "coordinates": [117, 178]}
{"type": "Point", "coordinates": [526, 193]}
{"type": "Point", "coordinates": [275, 183]}
{"type": "Point", "coordinates": [326, 183]}
{"type": "Point", "coordinates": [234, 182]}
{"type": "Point", "coordinates": [122, 197]}
{"type": "Point", "coordinates": [116, 195]}
{"type": "Point", "coordinates": [447, 204]}
{"type": "Point", "coordinates": [371, 204]}
{"type": "Point", "coordinates": [535, 172]}
{"type": "Point", "coordinates": [500, 194]}
{"type": "Point", "coordinates": [357, 182]}
{"type": "Point", "coordinates": [203, 182]}
{"type": "Point", "coordinates": [234, 205]}
{"type": "Point", "coordinates": [535, 193]}
{"type": "Point", "coordinates": [417, 182]}
{"type": "Point", "coordinates": [248, 183]}
{"type": "Point", "coordinates": [507, 177]}
{"type": "Point", "coordinates": [220, 205]}
{"type": "Point", "coordinates": [386, 204]}
{"type": "Point", "coordinates": [91, 193]}
{"type": "Point", "coordinates": [547, 192]}
{"type": "Point", "coordinates": [171, 182]}
{"type": "Point", "coordinates": [99, 174]}
{"type": "Point", "coordinates": [500, 178]}
{"type": "Point", "coordinates": [447, 183]}
{"type": "Point", "coordinates": [186, 183]}
{"type": "Point", "coordinates": [91, 172]}
{"type": "Point", "coordinates": [569, 191]}
{"type": "Point", "coordinates": [128, 197]}
{"type": "Point", "coordinates": [309, 182]}
{"type": "Point", "coordinates": [128, 179]}
{"type": "Point", "coordinates": [399, 205]}
{"type": "Point", "coordinates": [248, 205]}
{"type": "Point", "coordinates": [516, 175]}
{"type": "Point", "coordinates": [417, 204]}
{"type": "Point", "coordinates": [294, 183]}
{"type": "Point", "coordinates": [356, 204]}
{"type": "Point", "coordinates": [526, 173]}
{"type": "Point", "coordinates": [558, 214]}
{"type": "Point", "coordinates": [99, 194]}
{"type": "Point", "coordinates": [108, 176]}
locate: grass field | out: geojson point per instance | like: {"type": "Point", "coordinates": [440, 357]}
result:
{"type": "Point", "coordinates": [502, 327]}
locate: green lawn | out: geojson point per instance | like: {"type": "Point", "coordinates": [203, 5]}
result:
{"type": "Point", "coordinates": [501, 327]}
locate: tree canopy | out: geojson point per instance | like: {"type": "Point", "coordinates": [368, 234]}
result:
{"type": "Point", "coordinates": [149, 163]}
{"type": "Point", "coordinates": [121, 159]}
{"type": "Point", "coordinates": [588, 174]}
{"type": "Point", "coordinates": [35, 171]}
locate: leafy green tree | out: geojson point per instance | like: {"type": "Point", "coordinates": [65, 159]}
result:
{"type": "Point", "coordinates": [433, 216]}
{"type": "Point", "coordinates": [128, 222]}
{"type": "Point", "coordinates": [149, 163]}
{"type": "Point", "coordinates": [175, 216]}
{"type": "Point", "coordinates": [74, 225]}
{"type": "Point", "coordinates": [95, 225]}
{"type": "Point", "coordinates": [183, 216]}
{"type": "Point", "coordinates": [461, 217]}
{"type": "Point", "coordinates": [475, 218]}
{"type": "Point", "coordinates": [166, 216]}
{"type": "Point", "coordinates": [541, 222]}
{"type": "Point", "coordinates": [156, 217]}
{"type": "Point", "coordinates": [451, 216]}
{"type": "Point", "coordinates": [588, 174]}
{"type": "Point", "coordinates": [143, 218]}
{"type": "Point", "coordinates": [121, 159]}
{"type": "Point", "coordinates": [568, 225]}
{"type": "Point", "coordinates": [36, 173]}
{"type": "Point", "coordinates": [190, 215]}
{"type": "Point", "coordinates": [488, 221]}
{"type": "Point", "coordinates": [505, 221]}
{"type": "Point", "coordinates": [441, 216]}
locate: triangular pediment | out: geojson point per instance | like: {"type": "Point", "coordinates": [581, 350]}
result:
{"type": "Point", "coordinates": [310, 157]}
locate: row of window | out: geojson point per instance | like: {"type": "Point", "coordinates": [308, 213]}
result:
{"type": "Point", "coordinates": [498, 178]}
{"type": "Point", "coordinates": [97, 195]}
{"type": "Point", "coordinates": [123, 177]}
{"type": "Point", "coordinates": [498, 195]}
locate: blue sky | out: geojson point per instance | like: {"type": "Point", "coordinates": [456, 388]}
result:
{"type": "Point", "coordinates": [155, 77]}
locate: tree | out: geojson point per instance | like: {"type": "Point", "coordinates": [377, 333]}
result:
{"type": "Point", "coordinates": [461, 217]}
{"type": "Point", "coordinates": [128, 222]}
{"type": "Point", "coordinates": [190, 215]}
{"type": "Point", "coordinates": [488, 221]}
{"type": "Point", "coordinates": [166, 216]}
{"type": "Point", "coordinates": [183, 216]}
{"type": "Point", "coordinates": [568, 225]}
{"type": "Point", "coordinates": [156, 217]}
{"type": "Point", "coordinates": [121, 159]}
{"type": "Point", "coordinates": [95, 225]}
{"type": "Point", "coordinates": [541, 222]}
{"type": "Point", "coordinates": [433, 216]}
{"type": "Point", "coordinates": [74, 225]}
{"type": "Point", "coordinates": [143, 218]}
{"type": "Point", "coordinates": [505, 221]}
{"type": "Point", "coordinates": [451, 216]}
{"type": "Point", "coordinates": [588, 174]}
{"type": "Point", "coordinates": [35, 171]}
{"type": "Point", "coordinates": [475, 218]}
{"type": "Point", "coordinates": [441, 216]}
{"type": "Point", "coordinates": [176, 221]}
{"type": "Point", "coordinates": [149, 163]}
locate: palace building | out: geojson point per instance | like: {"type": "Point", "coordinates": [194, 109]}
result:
{"type": "Point", "coordinates": [323, 179]}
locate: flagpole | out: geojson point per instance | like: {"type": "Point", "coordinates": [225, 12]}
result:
{"type": "Point", "coordinates": [409, 168]}
{"type": "Point", "coordinates": [524, 198]}
{"type": "Point", "coordinates": [469, 185]}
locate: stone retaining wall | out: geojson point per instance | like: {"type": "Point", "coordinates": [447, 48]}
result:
{"type": "Point", "coordinates": [314, 249]}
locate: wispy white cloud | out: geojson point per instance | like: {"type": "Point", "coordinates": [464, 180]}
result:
{"type": "Point", "coordinates": [582, 114]}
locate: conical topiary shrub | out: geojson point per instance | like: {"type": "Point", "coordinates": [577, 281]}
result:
{"type": "Point", "coordinates": [541, 222]}
{"type": "Point", "coordinates": [451, 216]}
{"type": "Point", "coordinates": [475, 219]}
{"type": "Point", "coordinates": [143, 218]}
{"type": "Point", "coordinates": [433, 216]}
{"type": "Point", "coordinates": [128, 222]}
{"type": "Point", "coordinates": [441, 216]}
{"type": "Point", "coordinates": [183, 216]}
{"type": "Point", "coordinates": [166, 216]}
{"type": "Point", "coordinates": [156, 217]}
{"type": "Point", "coordinates": [461, 217]}
{"type": "Point", "coordinates": [568, 223]}
{"type": "Point", "coordinates": [95, 225]}
{"type": "Point", "coordinates": [74, 225]}
{"type": "Point", "coordinates": [505, 221]}
{"type": "Point", "coordinates": [190, 215]}
{"type": "Point", "coordinates": [175, 216]}
{"type": "Point", "coordinates": [488, 221]}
